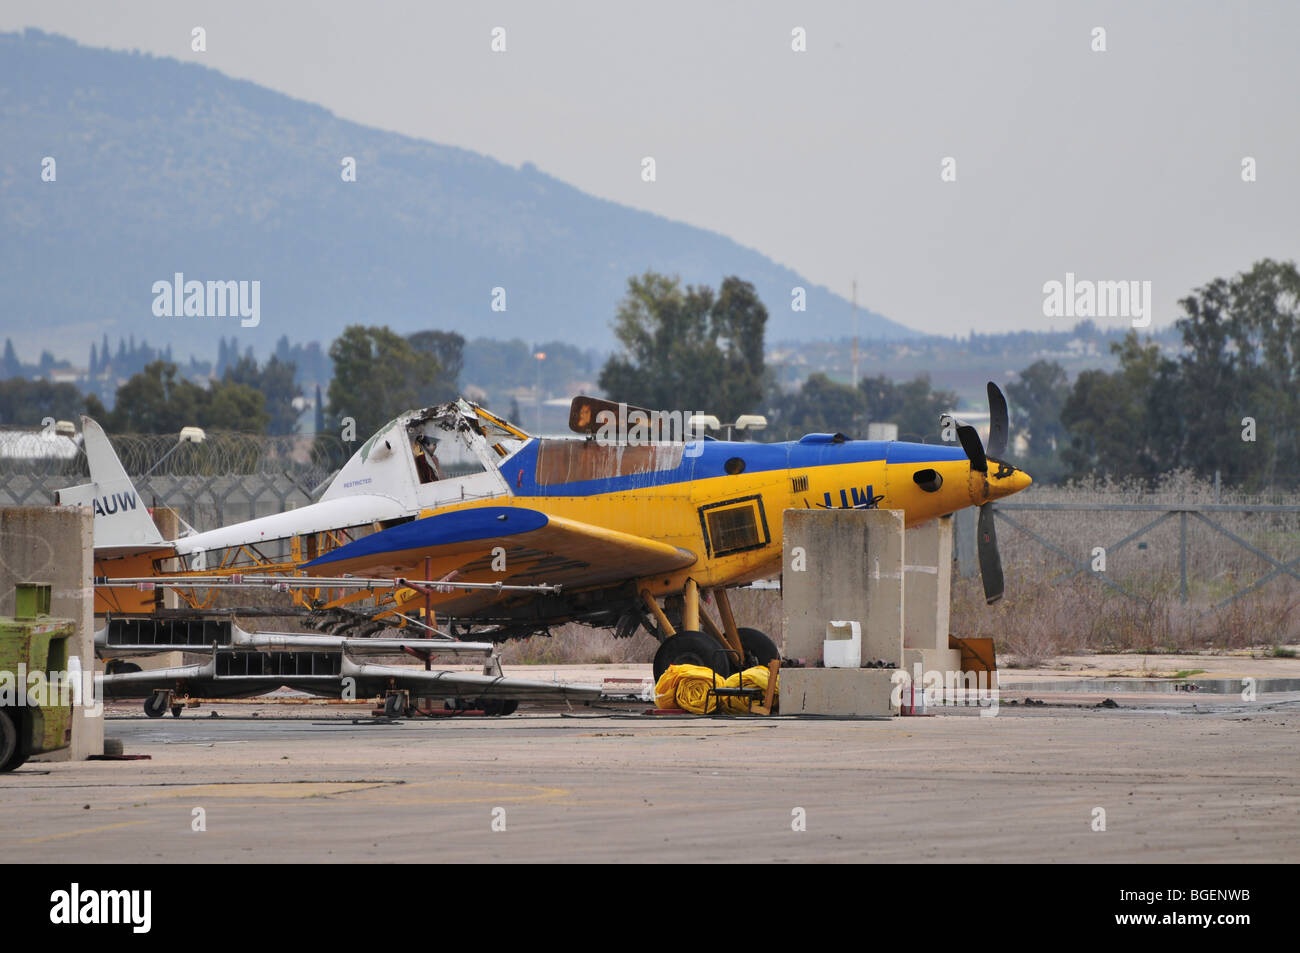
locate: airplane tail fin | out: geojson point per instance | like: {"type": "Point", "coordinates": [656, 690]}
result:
{"type": "Point", "coordinates": [121, 517]}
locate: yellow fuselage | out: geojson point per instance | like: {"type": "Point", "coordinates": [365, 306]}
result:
{"type": "Point", "coordinates": [678, 512]}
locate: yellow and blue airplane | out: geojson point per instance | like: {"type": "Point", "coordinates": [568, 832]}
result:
{"type": "Point", "coordinates": [604, 532]}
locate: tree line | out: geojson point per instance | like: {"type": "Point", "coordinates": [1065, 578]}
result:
{"type": "Point", "coordinates": [1227, 401]}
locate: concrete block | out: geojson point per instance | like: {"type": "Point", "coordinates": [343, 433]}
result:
{"type": "Point", "coordinates": [842, 692]}
{"type": "Point", "coordinates": [932, 660]}
{"type": "Point", "coordinates": [966, 552]}
{"type": "Point", "coordinates": [846, 565]}
{"type": "Point", "coordinates": [928, 590]}
{"type": "Point", "coordinates": [54, 544]}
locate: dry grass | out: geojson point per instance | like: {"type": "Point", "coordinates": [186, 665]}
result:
{"type": "Point", "coordinates": [581, 645]}
{"type": "Point", "coordinates": [1049, 611]}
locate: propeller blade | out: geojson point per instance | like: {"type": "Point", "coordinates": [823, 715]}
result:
{"type": "Point", "coordinates": [997, 422]}
{"type": "Point", "coordinates": [970, 442]}
{"type": "Point", "coordinates": [990, 561]}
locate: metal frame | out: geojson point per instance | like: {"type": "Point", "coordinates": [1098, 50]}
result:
{"type": "Point", "coordinates": [1167, 510]}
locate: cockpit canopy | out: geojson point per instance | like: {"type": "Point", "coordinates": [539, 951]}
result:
{"type": "Point", "coordinates": [459, 439]}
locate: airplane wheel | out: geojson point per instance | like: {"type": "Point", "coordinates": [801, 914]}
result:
{"type": "Point", "coordinates": [759, 648]}
{"type": "Point", "coordinates": [118, 667]}
{"type": "Point", "coordinates": [497, 707]}
{"type": "Point", "coordinates": [155, 706]}
{"type": "Point", "coordinates": [11, 747]}
{"type": "Point", "coordinates": [691, 648]}
{"type": "Point", "coordinates": [394, 706]}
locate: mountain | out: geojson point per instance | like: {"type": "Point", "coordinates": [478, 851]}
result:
{"type": "Point", "coordinates": [165, 167]}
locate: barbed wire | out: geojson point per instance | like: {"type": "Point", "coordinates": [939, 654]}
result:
{"type": "Point", "coordinates": [309, 458]}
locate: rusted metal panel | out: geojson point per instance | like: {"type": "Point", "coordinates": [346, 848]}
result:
{"type": "Point", "coordinates": [571, 461]}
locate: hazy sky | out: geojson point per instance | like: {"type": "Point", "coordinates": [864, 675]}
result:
{"type": "Point", "coordinates": [1117, 165]}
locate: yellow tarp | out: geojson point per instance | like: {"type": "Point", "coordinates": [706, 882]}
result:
{"type": "Point", "coordinates": [687, 687]}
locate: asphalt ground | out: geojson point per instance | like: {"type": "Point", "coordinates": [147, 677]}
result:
{"type": "Point", "coordinates": [1178, 777]}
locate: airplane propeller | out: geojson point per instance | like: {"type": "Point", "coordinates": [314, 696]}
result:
{"type": "Point", "coordinates": [979, 454]}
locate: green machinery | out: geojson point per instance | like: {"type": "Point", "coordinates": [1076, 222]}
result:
{"type": "Point", "coordinates": [35, 698]}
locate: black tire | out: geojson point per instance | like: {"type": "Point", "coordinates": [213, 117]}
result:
{"type": "Point", "coordinates": [155, 706]}
{"type": "Point", "coordinates": [115, 666]}
{"type": "Point", "coordinates": [394, 706]}
{"type": "Point", "coordinates": [759, 647]}
{"type": "Point", "coordinates": [497, 707]}
{"type": "Point", "coordinates": [12, 749]}
{"type": "Point", "coordinates": [693, 648]}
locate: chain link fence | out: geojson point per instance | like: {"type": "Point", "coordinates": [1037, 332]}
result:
{"type": "Point", "coordinates": [226, 478]}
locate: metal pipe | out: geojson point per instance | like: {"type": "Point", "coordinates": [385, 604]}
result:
{"type": "Point", "coordinates": [729, 623]}
{"type": "Point", "coordinates": [652, 604]}
{"type": "Point", "coordinates": [691, 606]}
{"type": "Point", "coordinates": [241, 581]}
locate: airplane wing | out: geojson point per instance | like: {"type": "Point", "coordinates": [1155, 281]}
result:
{"type": "Point", "coordinates": [139, 684]}
{"type": "Point", "coordinates": [371, 679]}
{"type": "Point", "coordinates": [124, 637]}
{"type": "Point", "coordinates": [293, 641]}
{"type": "Point", "coordinates": [205, 680]}
{"type": "Point", "coordinates": [539, 548]}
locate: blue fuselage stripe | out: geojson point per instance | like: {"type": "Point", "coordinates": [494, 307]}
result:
{"type": "Point", "coordinates": [707, 459]}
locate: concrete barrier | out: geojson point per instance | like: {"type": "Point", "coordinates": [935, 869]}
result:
{"type": "Point", "coordinates": [838, 692]}
{"type": "Point", "coordinates": [927, 597]}
{"type": "Point", "coordinates": [842, 565]}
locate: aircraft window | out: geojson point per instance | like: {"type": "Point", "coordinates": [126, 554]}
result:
{"type": "Point", "coordinates": [508, 446]}
{"type": "Point", "coordinates": [735, 465]}
{"type": "Point", "coordinates": [427, 465]}
{"type": "Point", "coordinates": [441, 453]}
{"type": "Point", "coordinates": [735, 526]}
